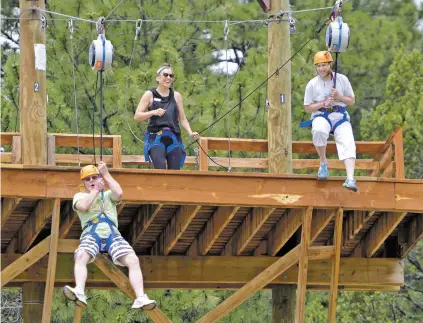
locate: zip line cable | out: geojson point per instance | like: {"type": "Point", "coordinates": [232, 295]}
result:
{"type": "Point", "coordinates": [265, 81]}
{"type": "Point", "coordinates": [111, 12]}
{"type": "Point", "coordinates": [74, 89]}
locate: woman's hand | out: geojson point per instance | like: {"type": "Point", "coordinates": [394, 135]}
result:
{"type": "Point", "coordinates": [195, 136]}
{"type": "Point", "coordinates": [159, 112]}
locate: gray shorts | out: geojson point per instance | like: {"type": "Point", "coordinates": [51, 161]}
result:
{"type": "Point", "coordinates": [119, 248]}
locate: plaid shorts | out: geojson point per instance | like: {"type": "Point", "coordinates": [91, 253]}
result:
{"type": "Point", "coordinates": [119, 248]}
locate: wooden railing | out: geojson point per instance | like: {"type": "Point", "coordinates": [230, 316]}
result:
{"type": "Point", "coordinates": [387, 161]}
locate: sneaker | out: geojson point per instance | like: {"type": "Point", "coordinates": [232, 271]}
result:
{"type": "Point", "coordinates": [350, 184]}
{"type": "Point", "coordinates": [72, 294]}
{"type": "Point", "coordinates": [144, 303]}
{"type": "Point", "coordinates": [323, 172]}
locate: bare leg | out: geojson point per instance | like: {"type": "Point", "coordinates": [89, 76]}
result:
{"type": "Point", "coordinates": [81, 260]}
{"type": "Point", "coordinates": [322, 154]}
{"type": "Point", "coordinates": [135, 275]}
{"type": "Point", "coordinates": [350, 165]}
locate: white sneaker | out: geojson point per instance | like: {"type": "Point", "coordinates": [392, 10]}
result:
{"type": "Point", "coordinates": [72, 294]}
{"type": "Point", "coordinates": [144, 303]}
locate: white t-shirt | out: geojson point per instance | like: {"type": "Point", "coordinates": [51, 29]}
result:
{"type": "Point", "coordinates": [318, 90]}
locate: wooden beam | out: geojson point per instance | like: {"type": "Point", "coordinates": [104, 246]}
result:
{"type": "Point", "coordinates": [77, 316]}
{"type": "Point", "coordinates": [320, 220]}
{"type": "Point", "coordinates": [218, 271]}
{"type": "Point", "coordinates": [303, 264]}
{"type": "Point", "coordinates": [337, 238]}
{"type": "Point", "coordinates": [413, 233]}
{"type": "Point", "coordinates": [203, 159]}
{"type": "Point", "coordinates": [353, 224]}
{"type": "Point", "coordinates": [117, 152]}
{"type": "Point", "coordinates": [52, 260]}
{"type": "Point", "coordinates": [283, 230]}
{"type": "Point", "coordinates": [8, 205]}
{"type": "Point", "coordinates": [218, 188]}
{"type": "Point", "coordinates": [212, 229]}
{"type": "Point", "coordinates": [17, 150]}
{"type": "Point", "coordinates": [384, 226]}
{"type": "Point", "coordinates": [399, 154]}
{"type": "Point", "coordinates": [69, 217]}
{"type": "Point", "coordinates": [252, 286]}
{"type": "Point", "coordinates": [120, 208]}
{"type": "Point", "coordinates": [25, 261]}
{"type": "Point", "coordinates": [174, 229]}
{"type": "Point", "coordinates": [142, 222]}
{"type": "Point", "coordinates": [34, 224]}
{"type": "Point", "coordinates": [32, 301]}
{"type": "Point", "coordinates": [246, 231]}
{"type": "Point", "coordinates": [120, 279]}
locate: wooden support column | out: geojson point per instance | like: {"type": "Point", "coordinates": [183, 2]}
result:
{"type": "Point", "coordinates": [52, 260]}
{"type": "Point", "coordinates": [77, 316]}
{"type": "Point", "coordinates": [303, 265]}
{"type": "Point", "coordinates": [283, 303]}
{"type": "Point", "coordinates": [32, 302]}
{"type": "Point", "coordinates": [336, 261]}
{"type": "Point", "coordinates": [279, 92]}
{"type": "Point", "coordinates": [32, 102]}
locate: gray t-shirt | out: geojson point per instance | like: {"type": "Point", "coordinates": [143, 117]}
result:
{"type": "Point", "coordinates": [318, 90]}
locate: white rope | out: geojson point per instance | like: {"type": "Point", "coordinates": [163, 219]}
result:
{"type": "Point", "coordinates": [113, 9]}
{"type": "Point", "coordinates": [137, 33]}
{"type": "Point", "coordinates": [74, 88]}
{"type": "Point", "coordinates": [62, 15]}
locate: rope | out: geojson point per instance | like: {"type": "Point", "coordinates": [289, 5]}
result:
{"type": "Point", "coordinates": [111, 12]}
{"type": "Point", "coordinates": [137, 32]}
{"type": "Point", "coordinates": [62, 15]}
{"type": "Point", "coordinates": [265, 81]}
{"type": "Point", "coordinates": [74, 88]}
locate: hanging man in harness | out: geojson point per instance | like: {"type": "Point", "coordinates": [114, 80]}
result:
{"type": "Point", "coordinates": [98, 214]}
{"type": "Point", "coordinates": [329, 116]}
{"type": "Point", "coordinates": [163, 141]}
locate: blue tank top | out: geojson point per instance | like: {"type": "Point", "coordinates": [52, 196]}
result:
{"type": "Point", "coordinates": [170, 119]}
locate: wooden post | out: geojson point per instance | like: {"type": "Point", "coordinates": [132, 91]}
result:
{"type": "Point", "coordinates": [283, 303]}
{"type": "Point", "coordinates": [279, 129]}
{"type": "Point", "coordinates": [279, 92]}
{"type": "Point", "coordinates": [33, 115]}
{"type": "Point", "coordinates": [203, 159]}
{"type": "Point", "coordinates": [32, 301]}
{"type": "Point", "coordinates": [399, 155]}
{"type": "Point", "coordinates": [52, 261]}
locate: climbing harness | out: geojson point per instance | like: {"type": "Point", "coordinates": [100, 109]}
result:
{"type": "Point", "coordinates": [325, 114]}
{"type": "Point", "coordinates": [153, 139]}
{"type": "Point", "coordinates": [103, 243]}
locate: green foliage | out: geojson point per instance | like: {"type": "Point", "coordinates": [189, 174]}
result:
{"type": "Point", "coordinates": [403, 107]}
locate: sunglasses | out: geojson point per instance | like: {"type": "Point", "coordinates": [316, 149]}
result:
{"type": "Point", "coordinates": [170, 75]}
{"type": "Point", "coordinates": [91, 178]}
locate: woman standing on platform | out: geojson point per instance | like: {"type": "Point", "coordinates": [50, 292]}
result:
{"type": "Point", "coordinates": [164, 110]}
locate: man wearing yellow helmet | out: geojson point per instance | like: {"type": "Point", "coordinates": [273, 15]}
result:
{"type": "Point", "coordinates": [328, 107]}
{"type": "Point", "coordinates": [98, 214]}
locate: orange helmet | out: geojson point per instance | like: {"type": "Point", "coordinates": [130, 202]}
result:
{"type": "Point", "coordinates": [323, 57]}
{"type": "Point", "coordinates": [88, 171]}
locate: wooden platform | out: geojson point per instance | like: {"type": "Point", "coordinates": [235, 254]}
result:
{"type": "Point", "coordinates": [207, 229]}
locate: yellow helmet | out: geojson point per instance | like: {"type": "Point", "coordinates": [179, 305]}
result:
{"type": "Point", "coordinates": [88, 171]}
{"type": "Point", "coordinates": [323, 57]}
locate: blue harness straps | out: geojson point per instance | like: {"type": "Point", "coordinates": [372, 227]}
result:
{"type": "Point", "coordinates": [103, 243]}
{"type": "Point", "coordinates": [325, 114]}
{"type": "Point", "coordinates": [156, 142]}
